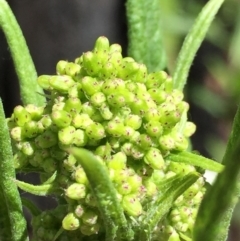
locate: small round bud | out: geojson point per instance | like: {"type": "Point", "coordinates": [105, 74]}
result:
{"type": "Point", "coordinates": [89, 218]}
{"type": "Point", "coordinates": [95, 131]}
{"type": "Point", "coordinates": [132, 205]}
{"type": "Point", "coordinates": [61, 83]}
{"type": "Point", "coordinates": [154, 158]}
{"type": "Point", "coordinates": [70, 222]}
{"type": "Point", "coordinates": [66, 135]}
{"type": "Point", "coordinates": [21, 116]}
{"type": "Point", "coordinates": [61, 118]}
{"type": "Point", "coordinates": [46, 139]}
{"type": "Point", "coordinates": [76, 191]}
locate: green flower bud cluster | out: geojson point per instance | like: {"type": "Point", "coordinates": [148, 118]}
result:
{"type": "Point", "coordinates": [128, 118]}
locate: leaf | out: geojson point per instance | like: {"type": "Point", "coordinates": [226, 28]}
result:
{"type": "Point", "coordinates": [216, 209]}
{"type": "Point", "coordinates": [159, 208]}
{"type": "Point", "coordinates": [193, 41]}
{"type": "Point", "coordinates": [145, 36]}
{"type": "Point", "coordinates": [39, 190]}
{"type": "Point", "coordinates": [196, 160]}
{"type": "Point", "coordinates": [116, 225]}
{"type": "Point", "coordinates": [11, 206]}
{"type": "Point", "coordinates": [23, 62]}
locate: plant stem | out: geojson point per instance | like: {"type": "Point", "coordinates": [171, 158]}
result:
{"type": "Point", "coordinates": [145, 37]}
{"type": "Point", "coordinates": [216, 209]}
{"type": "Point", "coordinates": [21, 57]}
{"type": "Point", "coordinates": [193, 41]}
{"type": "Point", "coordinates": [10, 198]}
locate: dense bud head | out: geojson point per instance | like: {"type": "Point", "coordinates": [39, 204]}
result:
{"type": "Point", "coordinates": [128, 118]}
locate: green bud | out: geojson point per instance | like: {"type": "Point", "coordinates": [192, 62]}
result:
{"type": "Point", "coordinates": [97, 99]}
{"type": "Point", "coordinates": [155, 79]}
{"type": "Point", "coordinates": [30, 129]}
{"type": "Point", "coordinates": [72, 69]}
{"type": "Point", "coordinates": [61, 118]}
{"type": "Point", "coordinates": [70, 222]}
{"type": "Point", "coordinates": [66, 135]}
{"type": "Point", "coordinates": [127, 69]}
{"type": "Point", "coordinates": [101, 44]}
{"type": "Point", "coordinates": [145, 141]}
{"type": "Point", "coordinates": [80, 176]}
{"type": "Point", "coordinates": [21, 116]}
{"type": "Point", "coordinates": [108, 71]}
{"type": "Point", "coordinates": [105, 112]}
{"type": "Point", "coordinates": [16, 133]}
{"type": "Point", "coordinates": [34, 111]}
{"type": "Point", "coordinates": [133, 121]}
{"type": "Point", "coordinates": [132, 205]}
{"type": "Point", "coordinates": [90, 85]}
{"type": "Point", "coordinates": [91, 63]}
{"type": "Point", "coordinates": [81, 121]}
{"type": "Point", "coordinates": [76, 191]}
{"type": "Point", "coordinates": [154, 128]}
{"type": "Point", "coordinates": [61, 67]}
{"type": "Point", "coordinates": [43, 81]}
{"type": "Point", "coordinates": [115, 127]}
{"type": "Point", "coordinates": [135, 182]}
{"type": "Point", "coordinates": [61, 83]}
{"type": "Point", "coordinates": [116, 100]}
{"type": "Point", "coordinates": [80, 138]}
{"type": "Point", "coordinates": [79, 210]}
{"type": "Point", "coordinates": [139, 107]}
{"type": "Point", "coordinates": [115, 58]}
{"type": "Point", "coordinates": [103, 151]}
{"type": "Point", "coordinates": [141, 74]}
{"type": "Point", "coordinates": [158, 95]}
{"type": "Point", "coordinates": [73, 106]}
{"type": "Point", "coordinates": [189, 129]}
{"type": "Point", "coordinates": [154, 158]}
{"type": "Point", "coordinates": [110, 86]}
{"type": "Point", "coordinates": [95, 131]}
{"type": "Point", "coordinates": [181, 142]}
{"type": "Point", "coordinates": [46, 139]}
{"type": "Point", "coordinates": [28, 148]}
{"type": "Point", "coordinates": [124, 188]}
{"type": "Point", "coordinates": [166, 142]}
{"type": "Point", "coordinates": [115, 48]}
{"type": "Point", "coordinates": [118, 161]}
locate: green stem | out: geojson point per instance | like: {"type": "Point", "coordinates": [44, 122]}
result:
{"type": "Point", "coordinates": [193, 41]}
{"type": "Point", "coordinates": [145, 37]}
{"type": "Point", "coordinates": [16, 225]}
{"type": "Point", "coordinates": [21, 57]}
{"type": "Point", "coordinates": [216, 209]}
{"type": "Point", "coordinates": [116, 224]}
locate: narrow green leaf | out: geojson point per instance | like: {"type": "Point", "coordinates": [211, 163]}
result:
{"type": "Point", "coordinates": [51, 179]}
{"type": "Point", "coordinates": [164, 202]}
{"type": "Point", "coordinates": [216, 209]}
{"type": "Point", "coordinates": [35, 211]}
{"type": "Point", "coordinates": [10, 198]}
{"type": "Point", "coordinates": [24, 66]}
{"type": "Point", "coordinates": [39, 190]}
{"type": "Point", "coordinates": [145, 37]}
{"type": "Point", "coordinates": [112, 212]}
{"type": "Point", "coordinates": [196, 160]}
{"type": "Point", "coordinates": [193, 41]}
